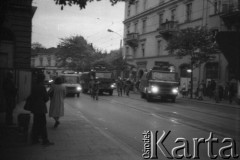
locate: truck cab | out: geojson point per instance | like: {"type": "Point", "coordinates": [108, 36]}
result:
{"type": "Point", "coordinates": [159, 83]}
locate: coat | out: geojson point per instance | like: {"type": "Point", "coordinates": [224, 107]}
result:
{"type": "Point", "coordinates": [57, 101]}
{"type": "Point", "coordinates": [39, 97]}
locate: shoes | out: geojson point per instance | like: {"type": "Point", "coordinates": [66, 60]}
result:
{"type": "Point", "coordinates": [47, 143]}
{"type": "Point", "coordinates": [56, 124]}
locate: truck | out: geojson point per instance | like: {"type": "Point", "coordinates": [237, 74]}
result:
{"type": "Point", "coordinates": [161, 82]}
{"type": "Point", "coordinates": [104, 77]}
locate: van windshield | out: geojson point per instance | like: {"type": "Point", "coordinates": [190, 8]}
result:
{"type": "Point", "coordinates": [165, 76]}
{"type": "Point", "coordinates": [107, 75]}
{"type": "Point", "coordinates": [70, 79]}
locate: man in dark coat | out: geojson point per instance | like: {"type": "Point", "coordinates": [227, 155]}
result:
{"type": "Point", "coordinates": [10, 92]}
{"type": "Point", "coordinates": [39, 97]}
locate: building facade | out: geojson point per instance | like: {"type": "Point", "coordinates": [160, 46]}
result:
{"type": "Point", "coordinates": [15, 44]}
{"type": "Point", "coordinates": [48, 62]}
{"type": "Point", "coordinates": [146, 22]}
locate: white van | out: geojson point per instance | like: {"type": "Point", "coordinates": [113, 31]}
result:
{"type": "Point", "coordinates": [72, 83]}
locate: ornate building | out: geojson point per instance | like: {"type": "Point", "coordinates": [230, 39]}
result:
{"type": "Point", "coordinates": [147, 22]}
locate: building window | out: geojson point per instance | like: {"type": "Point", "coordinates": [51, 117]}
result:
{"type": "Point", "coordinates": [159, 47]}
{"type": "Point", "coordinates": [160, 20]}
{"type": "Point", "coordinates": [128, 29]}
{"type": "Point", "coordinates": [217, 6]}
{"type": "Point", "coordinates": [136, 6]}
{"type": "Point", "coordinates": [127, 51]}
{"type": "Point", "coordinates": [134, 52]}
{"type": "Point", "coordinates": [136, 27]}
{"type": "Point", "coordinates": [129, 10]}
{"type": "Point", "coordinates": [144, 4]}
{"type": "Point", "coordinates": [173, 14]}
{"type": "Point", "coordinates": [144, 26]}
{"type": "Point", "coordinates": [49, 60]}
{"type": "Point", "coordinates": [189, 12]}
{"type": "Point", "coordinates": [212, 70]}
{"type": "Point", "coordinates": [41, 61]}
{"type": "Point", "coordinates": [143, 50]}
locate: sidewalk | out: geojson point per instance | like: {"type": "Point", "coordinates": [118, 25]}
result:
{"type": "Point", "coordinates": [75, 139]}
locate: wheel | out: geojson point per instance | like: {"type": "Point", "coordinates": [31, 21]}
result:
{"type": "Point", "coordinates": [78, 95]}
{"type": "Point", "coordinates": [173, 100]}
{"type": "Point", "coordinates": [142, 95]}
{"type": "Point", "coordinates": [149, 98]}
{"type": "Point", "coordinates": [111, 92]}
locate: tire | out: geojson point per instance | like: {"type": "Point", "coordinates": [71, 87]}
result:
{"type": "Point", "coordinates": [78, 95]}
{"type": "Point", "coordinates": [111, 92]}
{"type": "Point", "coordinates": [173, 100]}
{"type": "Point", "coordinates": [149, 98]}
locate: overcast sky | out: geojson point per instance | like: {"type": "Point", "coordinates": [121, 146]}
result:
{"type": "Point", "coordinates": [50, 23]}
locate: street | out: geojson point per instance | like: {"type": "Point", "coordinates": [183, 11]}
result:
{"type": "Point", "coordinates": [124, 119]}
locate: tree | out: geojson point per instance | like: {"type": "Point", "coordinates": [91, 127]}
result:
{"type": "Point", "coordinates": [78, 50]}
{"type": "Point", "coordinates": [197, 43]}
{"type": "Point", "coordinates": [82, 3]}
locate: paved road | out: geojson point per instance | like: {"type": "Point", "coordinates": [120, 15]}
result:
{"type": "Point", "coordinates": [125, 118]}
{"type": "Point", "coordinates": [112, 128]}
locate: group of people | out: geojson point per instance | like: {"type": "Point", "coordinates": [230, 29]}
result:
{"type": "Point", "coordinates": [123, 86]}
{"type": "Point", "coordinates": [38, 98]}
{"type": "Point", "coordinates": [37, 102]}
{"type": "Point", "coordinates": [212, 90]}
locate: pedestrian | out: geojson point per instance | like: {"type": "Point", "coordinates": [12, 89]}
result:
{"type": "Point", "coordinates": [184, 90]}
{"type": "Point", "coordinates": [200, 91]}
{"type": "Point", "coordinates": [95, 89]}
{"type": "Point", "coordinates": [128, 85]}
{"type": "Point", "coordinates": [57, 94]}
{"type": "Point", "coordinates": [216, 94]}
{"type": "Point", "coordinates": [119, 86]}
{"type": "Point", "coordinates": [232, 90]}
{"type": "Point", "coordinates": [10, 92]}
{"type": "Point", "coordinates": [39, 97]}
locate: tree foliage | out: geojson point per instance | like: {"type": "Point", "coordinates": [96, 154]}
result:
{"type": "Point", "coordinates": [197, 43]}
{"type": "Point", "coordinates": [76, 48]}
{"type": "Point", "coordinates": [82, 3]}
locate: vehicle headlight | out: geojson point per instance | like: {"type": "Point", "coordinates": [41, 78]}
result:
{"type": "Point", "coordinates": [113, 85]}
{"type": "Point", "coordinates": [154, 89]}
{"type": "Point", "coordinates": [50, 81]}
{"type": "Point", "coordinates": [175, 90]}
{"type": "Point", "coordinates": [79, 88]}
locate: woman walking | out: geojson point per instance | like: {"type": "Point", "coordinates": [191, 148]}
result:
{"type": "Point", "coordinates": [57, 94]}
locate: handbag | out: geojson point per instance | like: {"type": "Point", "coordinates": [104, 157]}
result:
{"type": "Point", "coordinates": [27, 105]}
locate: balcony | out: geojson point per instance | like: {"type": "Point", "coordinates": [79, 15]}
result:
{"type": "Point", "coordinates": [167, 28]}
{"type": "Point", "coordinates": [132, 39]}
{"type": "Point", "coordinates": [230, 10]}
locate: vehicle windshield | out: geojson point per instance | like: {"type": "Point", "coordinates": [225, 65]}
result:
{"type": "Point", "coordinates": [70, 79]}
{"type": "Point", "coordinates": [165, 76]}
{"type": "Point", "coordinates": [107, 75]}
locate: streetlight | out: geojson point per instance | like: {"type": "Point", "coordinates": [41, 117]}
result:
{"type": "Point", "coordinates": [109, 30]}
{"type": "Point", "coordinates": [120, 48]}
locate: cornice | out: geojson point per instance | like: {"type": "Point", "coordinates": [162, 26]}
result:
{"type": "Point", "coordinates": [150, 11]}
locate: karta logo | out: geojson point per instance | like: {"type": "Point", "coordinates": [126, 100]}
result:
{"type": "Point", "coordinates": [152, 144]}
